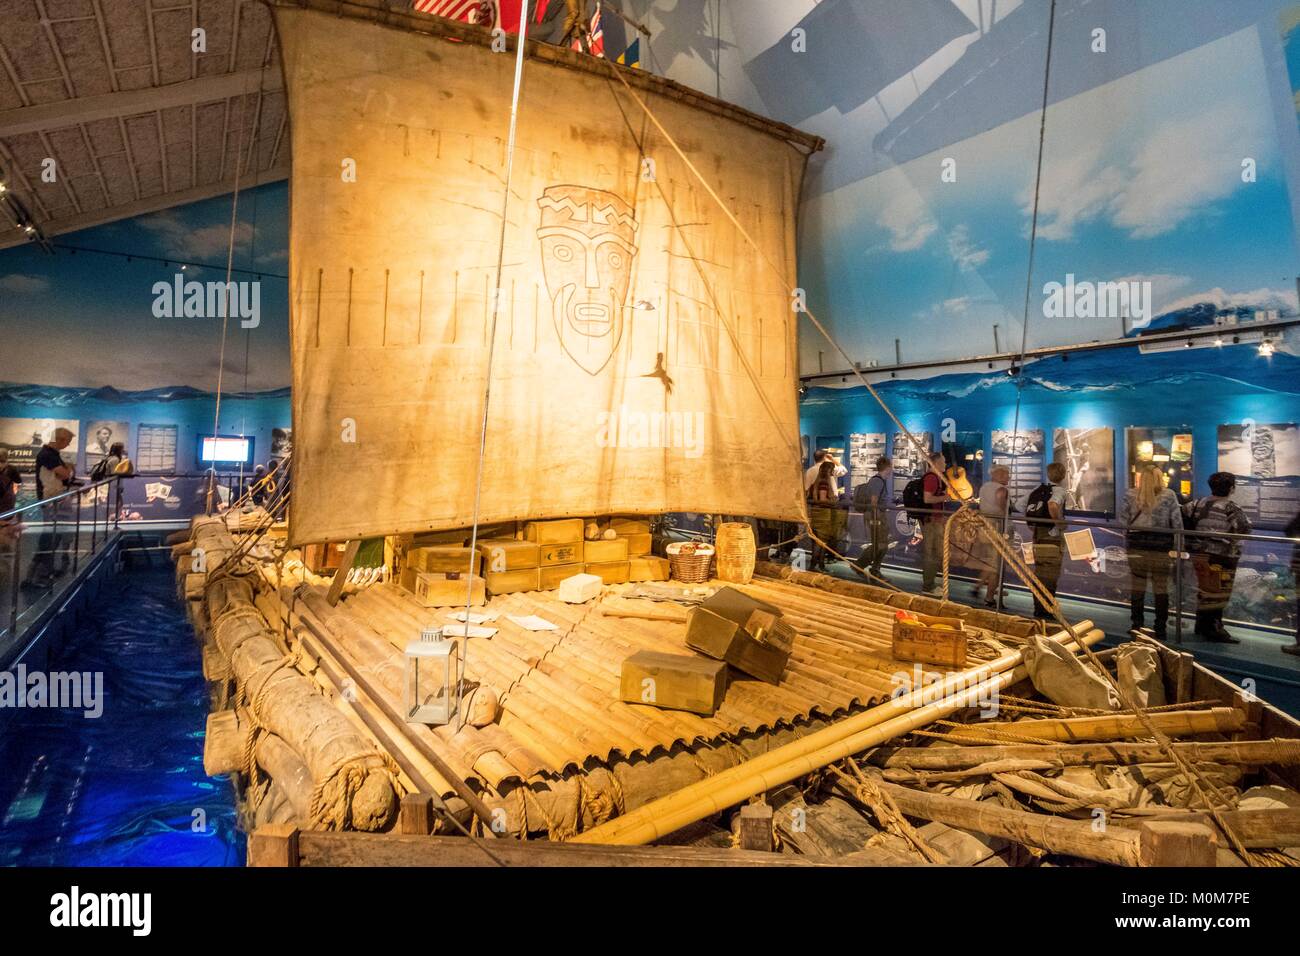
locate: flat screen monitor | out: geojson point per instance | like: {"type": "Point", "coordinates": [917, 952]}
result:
{"type": "Point", "coordinates": [225, 450]}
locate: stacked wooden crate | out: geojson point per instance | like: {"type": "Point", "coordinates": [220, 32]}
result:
{"type": "Point", "coordinates": [444, 575]}
{"type": "Point", "coordinates": [641, 565]}
{"type": "Point", "coordinates": [510, 565]}
{"type": "Point", "coordinates": [559, 550]}
{"type": "Point", "coordinates": [541, 554]}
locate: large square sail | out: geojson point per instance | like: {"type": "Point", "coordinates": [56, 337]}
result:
{"type": "Point", "coordinates": [645, 355]}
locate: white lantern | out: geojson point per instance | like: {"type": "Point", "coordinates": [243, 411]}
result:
{"type": "Point", "coordinates": [432, 692]}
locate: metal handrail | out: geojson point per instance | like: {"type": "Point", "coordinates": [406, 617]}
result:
{"type": "Point", "coordinates": [78, 490]}
{"type": "Point", "coordinates": [1087, 522]}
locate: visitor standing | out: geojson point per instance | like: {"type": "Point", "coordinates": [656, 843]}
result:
{"type": "Point", "coordinates": [53, 478]}
{"type": "Point", "coordinates": [1151, 515]}
{"type": "Point", "coordinates": [871, 499]}
{"type": "Point", "coordinates": [1214, 559]}
{"type": "Point", "coordinates": [824, 511]}
{"type": "Point", "coordinates": [935, 493]}
{"type": "Point", "coordinates": [995, 506]}
{"type": "Point", "coordinates": [813, 471]}
{"type": "Point", "coordinates": [1045, 512]}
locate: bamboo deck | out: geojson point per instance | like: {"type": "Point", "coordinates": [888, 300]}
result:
{"type": "Point", "coordinates": [560, 688]}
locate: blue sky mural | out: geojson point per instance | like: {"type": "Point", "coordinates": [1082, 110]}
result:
{"type": "Point", "coordinates": [85, 319]}
{"type": "Point", "coordinates": [1142, 180]}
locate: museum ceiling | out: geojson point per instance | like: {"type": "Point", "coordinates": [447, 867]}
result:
{"type": "Point", "coordinates": [136, 114]}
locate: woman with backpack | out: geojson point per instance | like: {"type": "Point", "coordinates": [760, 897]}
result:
{"type": "Point", "coordinates": [1151, 514]}
{"type": "Point", "coordinates": [1045, 514]}
{"type": "Point", "coordinates": [1215, 559]}
{"type": "Point", "coordinates": [824, 512]}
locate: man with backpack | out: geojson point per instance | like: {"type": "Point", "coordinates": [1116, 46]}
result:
{"type": "Point", "coordinates": [1045, 513]}
{"type": "Point", "coordinates": [933, 497]}
{"type": "Point", "coordinates": [871, 498]}
{"type": "Point", "coordinates": [1215, 559]}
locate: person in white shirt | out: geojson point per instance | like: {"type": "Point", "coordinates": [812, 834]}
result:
{"type": "Point", "coordinates": [810, 473]}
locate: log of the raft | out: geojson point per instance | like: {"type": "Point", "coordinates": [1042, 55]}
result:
{"type": "Point", "coordinates": [1148, 844]}
{"type": "Point", "coordinates": [1175, 723]}
{"type": "Point", "coordinates": [223, 743]}
{"type": "Point", "coordinates": [386, 735]}
{"type": "Point", "coordinates": [288, 771]}
{"type": "Point", "coordinates": [356, 787]}
{"type": "Point", "coordinates": [1250, 753]}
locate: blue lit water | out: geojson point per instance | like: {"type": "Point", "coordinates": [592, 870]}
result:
{"type": "Point", "coordinates": [127, 788]}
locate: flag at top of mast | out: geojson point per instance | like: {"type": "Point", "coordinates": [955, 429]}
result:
{"type": "Point", "coordinates": [555, 21]}
{"type": "Point", "coordinates": [483, 12]}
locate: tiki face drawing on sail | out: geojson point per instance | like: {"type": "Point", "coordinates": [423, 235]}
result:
{"type": "Point", "coordinates": [588, 241]}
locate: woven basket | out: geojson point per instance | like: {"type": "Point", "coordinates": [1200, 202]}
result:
{"type": "Point", "coordinates": [689, 562]}
{"type": "Point", "coordinates": [736, 552]}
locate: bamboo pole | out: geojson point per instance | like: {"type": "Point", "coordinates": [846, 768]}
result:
{"type": "Point", "coordinates": [1178, 723]}
{"type": "Point", "coordinates": [1275, 752]}
{"type": "Point", "coordinates": [843, 738]}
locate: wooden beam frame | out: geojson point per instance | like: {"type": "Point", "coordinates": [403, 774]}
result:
{"type": "Point", "coordinates": [85, 109]}
{"type": "Point", "coordinates": [284, 845]}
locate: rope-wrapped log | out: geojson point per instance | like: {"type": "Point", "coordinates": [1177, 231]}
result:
{"type": "Point", "coordinates": [353, 784]}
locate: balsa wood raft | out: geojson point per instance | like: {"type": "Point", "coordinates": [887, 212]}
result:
{"type": "Point", "coordinates": [565, 758]}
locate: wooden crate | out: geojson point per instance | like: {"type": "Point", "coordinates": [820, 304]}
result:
{"type": "Point", "coordinates": [638, 543]}
{"type": "Point", "coordinates": [554, 532]}
{"type": "Point", "coordinates": [433, 589]}
{"type": "Point", "coordinates": [457, 537]}
{"type": "Point", "coordinates": [550, 576]}
{"type": "Point", "coordinates": [722, 638]}
{"type": "Point", "coordinates": [510, 582]}
{"type": "Point", "coordinates": [611, 572]}
{"type": "Point", "coordinates": [770, 629]}
{"type": "Point", "coordinates": [321, 558]}
{"type": "Point", "coordinates": [601, 551]}
{"type": "Point", "coordinates": [507, 554]}
{"type": "Point", "coordinates": [568, 552]}
{"type": "Point", "coordinates": [447, 559]}
{"type": "Point", "coordinates": [647, 568]}
{"type": "Point", "coordinates": [927, 644]}
{"type": "Point", "coordinates": [623, 527]}
{"type": "Point", "coordinates": [673, 681]}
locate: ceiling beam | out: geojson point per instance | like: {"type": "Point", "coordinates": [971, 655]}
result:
{"type": "Point", "coordinates": [98, 217]}
{"type": "Point", "coordinates": [85, 109]}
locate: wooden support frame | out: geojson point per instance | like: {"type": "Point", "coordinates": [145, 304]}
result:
{"type": "Point", "coordinates": [341, 575]}
{"type": "Point", "coordinates": [756, 830]}
{"type": "Point", "coordinates": [285, 845]}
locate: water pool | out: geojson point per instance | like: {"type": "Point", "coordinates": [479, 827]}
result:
{"type": "Point", "coordinates": [126, 788]}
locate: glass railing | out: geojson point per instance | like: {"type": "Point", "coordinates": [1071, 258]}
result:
{"type": "Point", "coordinates": [43, 546]}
